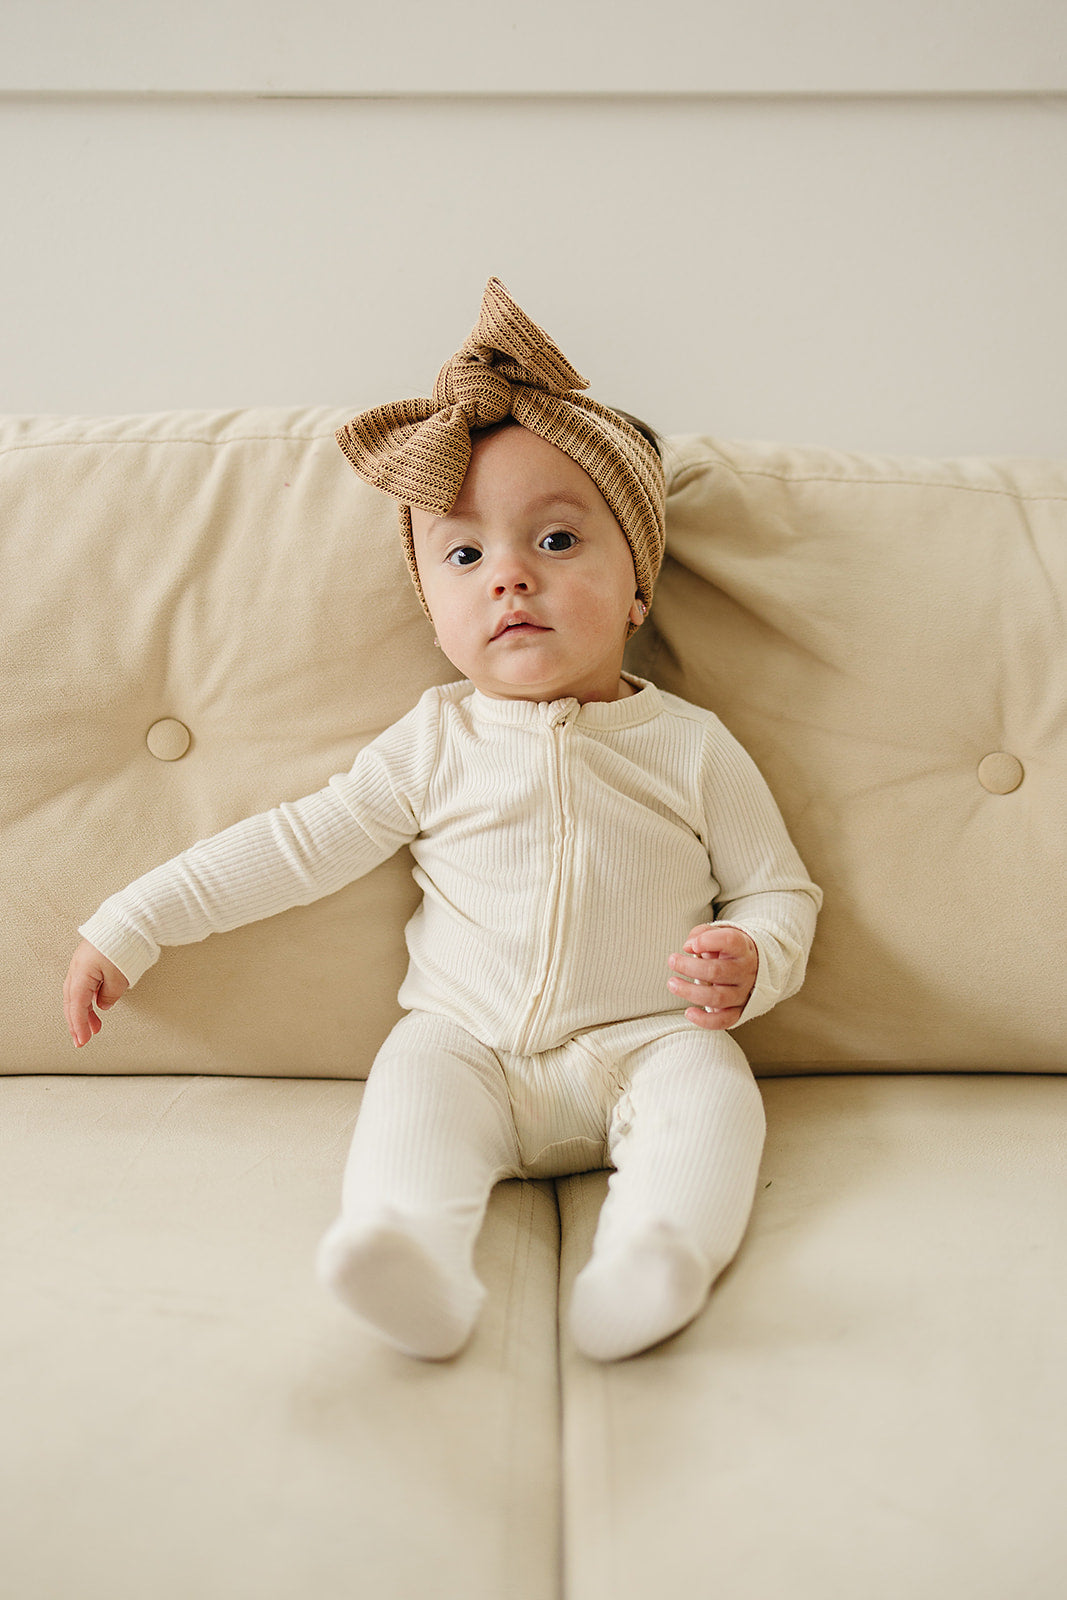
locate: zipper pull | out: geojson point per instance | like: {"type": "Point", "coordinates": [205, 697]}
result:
{"type": "Point", "coordinates": [560, 712]}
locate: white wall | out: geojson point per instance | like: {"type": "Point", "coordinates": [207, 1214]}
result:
{"type": "Point", "coordinates": [850, 229]}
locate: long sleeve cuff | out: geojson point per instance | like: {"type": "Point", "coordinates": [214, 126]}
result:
{"type": "Point", "coordinates": [114, 938]}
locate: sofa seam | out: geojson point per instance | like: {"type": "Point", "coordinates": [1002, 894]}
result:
{"type": "Point", "coordinates": [563, 1541]}
{"type": "Point", "coordinates": [682, 478]}
{"type": "Point", "coordinates": [561, 1454]}
{"type": "Point", "coordinates": [518, 1280]}
{"type": "Point", "coordinates": [241, 438]}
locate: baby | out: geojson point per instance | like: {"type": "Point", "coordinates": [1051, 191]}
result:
{"type": "Point", "coordinates": [608, 886]}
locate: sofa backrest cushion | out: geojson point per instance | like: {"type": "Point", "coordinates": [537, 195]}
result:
{"type": "Point", "coordinates": [886, 637]}
{"type": "Point", "coordinates": [205, 614]}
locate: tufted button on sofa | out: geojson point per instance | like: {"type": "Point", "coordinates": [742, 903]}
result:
{"type": "Point", "coordinates": [168, 739]}
{"type": "Point", "coordinates": [1000, 772]}
{"type": "Point", "coordinates": [874, 1402]}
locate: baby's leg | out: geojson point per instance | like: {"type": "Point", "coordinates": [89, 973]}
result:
{"type": "Point", "coordinates": [686, 1142]}
{"type": "Point", "coordinates": [434, 1134]}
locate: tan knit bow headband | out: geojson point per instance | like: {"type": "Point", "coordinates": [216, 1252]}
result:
{"type": "Point", "coordinates": [418, 450]}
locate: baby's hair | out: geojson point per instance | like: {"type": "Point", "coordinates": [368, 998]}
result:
{"type": "Point", "coordinates": [643, 428]}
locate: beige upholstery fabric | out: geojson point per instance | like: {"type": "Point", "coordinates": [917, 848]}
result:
{"type": "Point", "coordinates": [873, 1402]}
{"type": "Point", "coordinates": [188, 1416]}
{"type": "Point", "coordinates": [205, 614]}
{"type": "Point", "coordinates": [886, 637]}
{"type": "Point", "coordinates": [228, 573]}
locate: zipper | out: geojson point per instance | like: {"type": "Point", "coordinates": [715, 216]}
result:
{"type": "Point", "coordinates": [548, 965]}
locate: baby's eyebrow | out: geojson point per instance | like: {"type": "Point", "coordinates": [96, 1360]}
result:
{"type": "Point", "coordinates": [559, 497]}
{"type": "Point", "coordinates": [447, 526]}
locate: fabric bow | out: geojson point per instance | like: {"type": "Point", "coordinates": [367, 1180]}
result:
{"type": "Point", "coordinates": [418, 450]}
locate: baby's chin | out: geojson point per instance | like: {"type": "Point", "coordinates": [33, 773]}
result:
{"type": "Point", "coordinates": [519, 677]}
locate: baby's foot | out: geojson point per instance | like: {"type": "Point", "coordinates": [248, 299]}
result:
{"type": "Point", "coordinates": [385, 1274]}
{"type": "Point", "coordinates": [637, 1293]}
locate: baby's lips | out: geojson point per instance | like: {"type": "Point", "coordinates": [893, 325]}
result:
{"type": "Point", "coordinates": [518, 619]}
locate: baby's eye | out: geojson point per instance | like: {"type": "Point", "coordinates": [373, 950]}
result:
{"type": "Point", "coordinates": [559, 539]}
{"type": "Point", "coordinates": [465, 556]}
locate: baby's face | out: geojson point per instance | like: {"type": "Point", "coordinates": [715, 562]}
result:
{"type": "Point", "coordinates": [529, 578]}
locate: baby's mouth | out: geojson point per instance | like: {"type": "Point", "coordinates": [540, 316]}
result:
{"type": "Point", "coordinates": [519, 622]}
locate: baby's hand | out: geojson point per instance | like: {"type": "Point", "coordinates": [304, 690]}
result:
{"type": "Point", "coordinates": [91, 977]}
{"type": "Point", "coordinates": [717, 972]}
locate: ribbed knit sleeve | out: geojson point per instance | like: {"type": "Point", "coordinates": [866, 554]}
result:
{"type": "Point", "coordinates": [764, 887]}
{"type": "Point", "coordinates": [296, 853]}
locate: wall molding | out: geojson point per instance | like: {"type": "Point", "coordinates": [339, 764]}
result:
{"type": "Point", "coordinates": [606, 97]}
{"type": "Point", "coordinates": [408, 48]}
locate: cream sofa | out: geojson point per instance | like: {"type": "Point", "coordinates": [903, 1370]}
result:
{"type": "Point", "coordinates": [204, 614]}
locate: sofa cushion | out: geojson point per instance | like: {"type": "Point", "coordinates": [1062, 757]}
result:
{"type": "Point", "coordinates": [187, 1414]}
{"type": "Point", "coordinates": [204, 614]}
{"type": "Point", "coordinates": [874, 1400]}
{"type": "Point", "coordinates": [208, 613]}
{"type": "Point", "coordinates": [886, 637]}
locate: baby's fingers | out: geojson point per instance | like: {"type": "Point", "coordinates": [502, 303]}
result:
{"type": "Point", "coordinates": [714, 1020]}
{"type": "Point", "coordinates": [82, 1021]}
{"type": "Point", "coordinates": [705, 969]}
{"type": "Point", "coordinates": [709, 996]}
{"type": "Point", "coordinates": [715, 974]}
{"type": "Point", "coordinates": [112, 988]}
{"type": "Point", "coordinates": [91, 980]}
{"type": "Point", "coordinates": [727, 943]}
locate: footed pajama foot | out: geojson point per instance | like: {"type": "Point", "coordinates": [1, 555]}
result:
{"type": "Point", "coordinates": [387, 1276]}
{"type": "Point", "coordinates": [633, 1295]}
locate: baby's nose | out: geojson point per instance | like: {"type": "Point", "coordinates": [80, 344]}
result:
{"type": "Point", "coordinates": [511, 576]}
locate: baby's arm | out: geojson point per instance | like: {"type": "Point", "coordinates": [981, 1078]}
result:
{"type": "Point", "coordinates": [262, 866]}
{"type": "Point", "coordinates": [755, 953]}
{"type": "Point", "coordinates": [290, 856]}
{"type": "Point", "coordinates": [91, 979]}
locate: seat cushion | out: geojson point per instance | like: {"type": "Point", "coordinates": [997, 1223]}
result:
{"type": "Point", "coordinates": [874, 1401]}
{"type": "Point", "coordinates": [186, 1413]}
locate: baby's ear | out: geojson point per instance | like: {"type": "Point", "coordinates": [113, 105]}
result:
{"type": "Point", "coordinates": [638, 611]}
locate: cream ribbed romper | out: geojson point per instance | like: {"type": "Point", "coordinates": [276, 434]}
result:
{"type": "Point", "coordinates": [564, 851]}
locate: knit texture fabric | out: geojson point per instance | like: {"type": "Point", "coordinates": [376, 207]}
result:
{"type": "Point", "coordinates": [563, 851]}
{"type": "Point", "coordinates": [673, 1108]}
{"type": "Point", "coordinates": [418, 450]}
